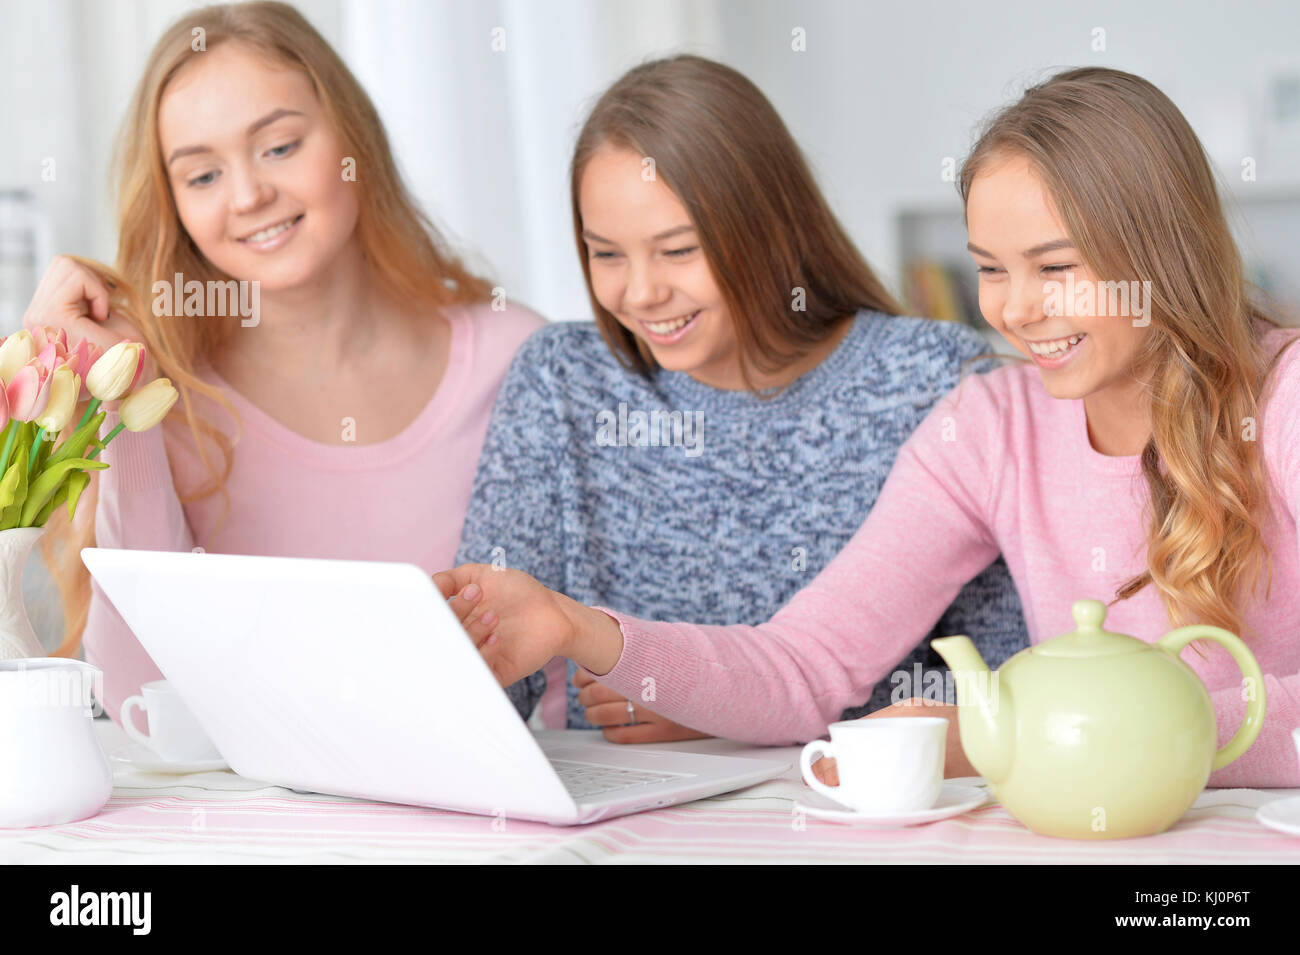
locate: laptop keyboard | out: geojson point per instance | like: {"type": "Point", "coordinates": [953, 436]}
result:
{"type": "Point", "coordinates": [587, 779]}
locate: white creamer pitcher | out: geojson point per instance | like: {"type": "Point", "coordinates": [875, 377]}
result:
{"type": "Point", "coordinates": [54, 769]}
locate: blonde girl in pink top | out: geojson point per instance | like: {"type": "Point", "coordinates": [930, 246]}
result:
{"type": "Point", "coordinates": [1146, 452]}
{"type": "Point", "coordinates": [342, 413]}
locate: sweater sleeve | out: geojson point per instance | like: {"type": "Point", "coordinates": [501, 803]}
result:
{"type": "Point", "coordinates": [782, 682]}
{"type": "Point", "coordinates": [138, 508]}
{"type": "Point", "coordinates": [988, 608]}
{"type": "Point", "coordinates": [514, 512]}
{"type": "Point", "coordinates": [1272, 760]}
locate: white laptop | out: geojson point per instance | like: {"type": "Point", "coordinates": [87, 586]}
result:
{"type": "Point", "coordinates": [355, 678]}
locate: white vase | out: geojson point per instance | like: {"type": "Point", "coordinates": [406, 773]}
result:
{"type": "Point", "coordinates": [17, 638]}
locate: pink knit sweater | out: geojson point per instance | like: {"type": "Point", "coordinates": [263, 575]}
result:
{"type": "Point", "coordinates": [999, 465]}
{"type": "Point", "coordinates": [403, 499]}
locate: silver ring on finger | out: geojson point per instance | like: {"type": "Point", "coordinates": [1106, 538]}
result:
{"type": "Point", "coordinates": [631, 713]}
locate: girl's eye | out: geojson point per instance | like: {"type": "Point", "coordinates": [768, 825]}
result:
{"type": "Point", "coordinates": [281, 151]}
{"type": "Point", "coordinates": [987, 269]}
{"type": "Point", "coordinates": [1057, 268]}
{"type": "Point", "coordinates": [680, 252]}
{"type": "Point", "coordinates": [603, 255]}
{"type": "Point", "coordinates": [204, 180]}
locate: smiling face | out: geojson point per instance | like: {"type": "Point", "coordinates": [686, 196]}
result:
{"type": "Point", "coordinates": [1020, 246]}
{"type": "Point", "coordinates": [255, 169]}
{"type": "Point", "coordinates": [649, 271]}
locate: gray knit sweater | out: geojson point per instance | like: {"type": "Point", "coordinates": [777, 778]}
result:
{"type": "Point", "coordinates": [673, 500]}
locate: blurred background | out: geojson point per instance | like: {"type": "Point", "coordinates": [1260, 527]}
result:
{"type": "Point", "coordinates": [884, 97]}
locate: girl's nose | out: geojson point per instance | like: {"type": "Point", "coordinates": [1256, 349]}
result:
{"type": "Point", "coordinates": [1025, 303]}
{"type": "Point", "coordinates": [643, 286]}
{"type": "Point", "coordinates": [249, 191]}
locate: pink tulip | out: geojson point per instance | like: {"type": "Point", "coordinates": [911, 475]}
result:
{"type": "Point", "coordinates": [29, 392]}
{"type": "Point", "coordinates": [42, 335]}
{"type": "Point", "coordinates": [81, 358]}
{"type": "Point", "coordinates": [4, 409]}
{"type": "Point", "coordinates": [52, 354]}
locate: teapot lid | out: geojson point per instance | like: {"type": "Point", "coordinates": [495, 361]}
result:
{"type": "Point", "coordinates": [1090, 640]}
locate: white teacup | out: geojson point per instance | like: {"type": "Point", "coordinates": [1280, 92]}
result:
{"type": "Point", "coordinates": [174, 733]}
{"type": "Point", "coordinates": [892, 764]}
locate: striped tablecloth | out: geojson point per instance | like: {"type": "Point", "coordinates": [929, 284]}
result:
{"type": "Point", "coordinates": [221, 817]}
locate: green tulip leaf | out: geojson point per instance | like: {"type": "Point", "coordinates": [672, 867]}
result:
{"type": "Point", "coordinates": [43, 487]}
{"type": "Point", "coordinates": [42, 455]}
{"type": "Point", "coordinates": [22, 442]}
{"type": "Point", "coordinates": [13, 494]}
{"type": "Point", "coordinates": [78, 442]}
{"type": "Point", "coordinates": [9, 484]}
{"type": "Point", "coordinates": [77, 482]}
{"type": "Point", "coordinates": [44, 513]}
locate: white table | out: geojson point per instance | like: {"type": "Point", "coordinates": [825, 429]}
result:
{"type": "Point", "coordinates": [219, 817]}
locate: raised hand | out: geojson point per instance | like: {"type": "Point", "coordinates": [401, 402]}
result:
{"type": "Point", "coordinates": [519, 625]}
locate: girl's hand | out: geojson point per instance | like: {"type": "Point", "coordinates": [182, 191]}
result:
{"type": "Point", "coordinates": [607, 709]}
{"type": "Point", "coordinates": [955, 763]}
{"type": "Point", "coordinates": [74, 298]}
{"type": "Point", "coordinates": [518, 625]}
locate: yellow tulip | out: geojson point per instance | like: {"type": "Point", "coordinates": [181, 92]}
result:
{"type": "Point", "coordinates": [16, 350]}
{"type": "Point", "coordinates": [143, 409]}
{"type": "Point", "coordinates": [65, 386]}
{"type": "Point", "coordinates": [116, 371]}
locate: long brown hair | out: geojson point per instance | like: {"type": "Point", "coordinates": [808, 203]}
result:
{"type": "Point", "coordinates": [408, 257]}
{"type": "Point", "coordinates": [1137, 196]}
{"type": "Point", "coordinates": [764, 226]}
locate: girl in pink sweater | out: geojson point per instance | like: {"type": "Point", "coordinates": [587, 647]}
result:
{"type": "Point", "coordinates": [337, 364]}
{"type": "Point", "coordinates": [1147, 452]}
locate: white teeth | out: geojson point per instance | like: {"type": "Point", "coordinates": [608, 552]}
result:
{"type": "Point", "coordinates": [670, 326]}
{"type": "Point", "coordinates": [1058, 347]}
{"type": "Point", "coordinates": [270, 233]}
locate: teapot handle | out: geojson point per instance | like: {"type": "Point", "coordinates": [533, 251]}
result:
{"type": "Point", "coordinates": [1253, 721]}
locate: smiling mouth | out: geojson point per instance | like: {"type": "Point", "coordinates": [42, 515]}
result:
{"type": "Point", "coordinates": [672, 324]}
{"type": "Point", "coordinates": [265, 235]}
{"type": "Point", "coordinates": [1056, 347]}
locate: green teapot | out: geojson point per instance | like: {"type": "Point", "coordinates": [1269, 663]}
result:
{"type": "Point", "coordinates": [1097, 735]}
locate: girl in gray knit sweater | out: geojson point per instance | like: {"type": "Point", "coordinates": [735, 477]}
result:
{"type": "Point", "coordinates": [717, 435]}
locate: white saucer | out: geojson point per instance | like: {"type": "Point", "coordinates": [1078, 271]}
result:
{"type": "Point", "coordinates": [954, 799]}
{"type": "Point", "coordinates": [138, 756]}
{"type": "Point", "coordinates": [1282, 815]}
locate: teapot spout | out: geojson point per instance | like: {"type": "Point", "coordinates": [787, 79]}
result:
{"type": "Point", "coordinates": [983, 714]}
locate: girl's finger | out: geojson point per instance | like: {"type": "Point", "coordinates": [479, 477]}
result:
{"type": "Point", "coordinates": [458, 582]}
{"type": "Point", "coordinates": [652, 732]}
{"type": "Point", "coordinates": [824, 769]}
{"type": "Point", "coordinates": [582, 678]}
{"type": "Point", "coordinates": [481, 624]}
{"type": "Point", "coordinates": [82, 286]}
{"type": "Point", "coordinates": [595, 693]}
{"type": "Point", "coordinates": [462, 602]}
{"type": "Point", "coordinates": [614, 714]}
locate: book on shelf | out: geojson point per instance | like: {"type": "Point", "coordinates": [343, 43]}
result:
{"type": "Point", "coordinates": [943, 290]}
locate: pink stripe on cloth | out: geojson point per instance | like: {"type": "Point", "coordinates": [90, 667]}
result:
{"type": "Point", "coordinates": [755, 826]}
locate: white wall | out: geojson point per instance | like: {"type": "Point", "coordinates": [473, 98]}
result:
{"type": "Point", "coordinates": [886, 91]}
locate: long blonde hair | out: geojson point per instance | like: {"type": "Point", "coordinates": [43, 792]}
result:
{"type": "Point", "coordinates": [1135, 190]}
{"type": "Point", "coordinates": [408, 257]}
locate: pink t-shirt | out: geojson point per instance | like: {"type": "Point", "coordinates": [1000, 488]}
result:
{"type": "Point", "coordinates": [998, 465]}
{"type": "Point", "coordinates": [402, 499]}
